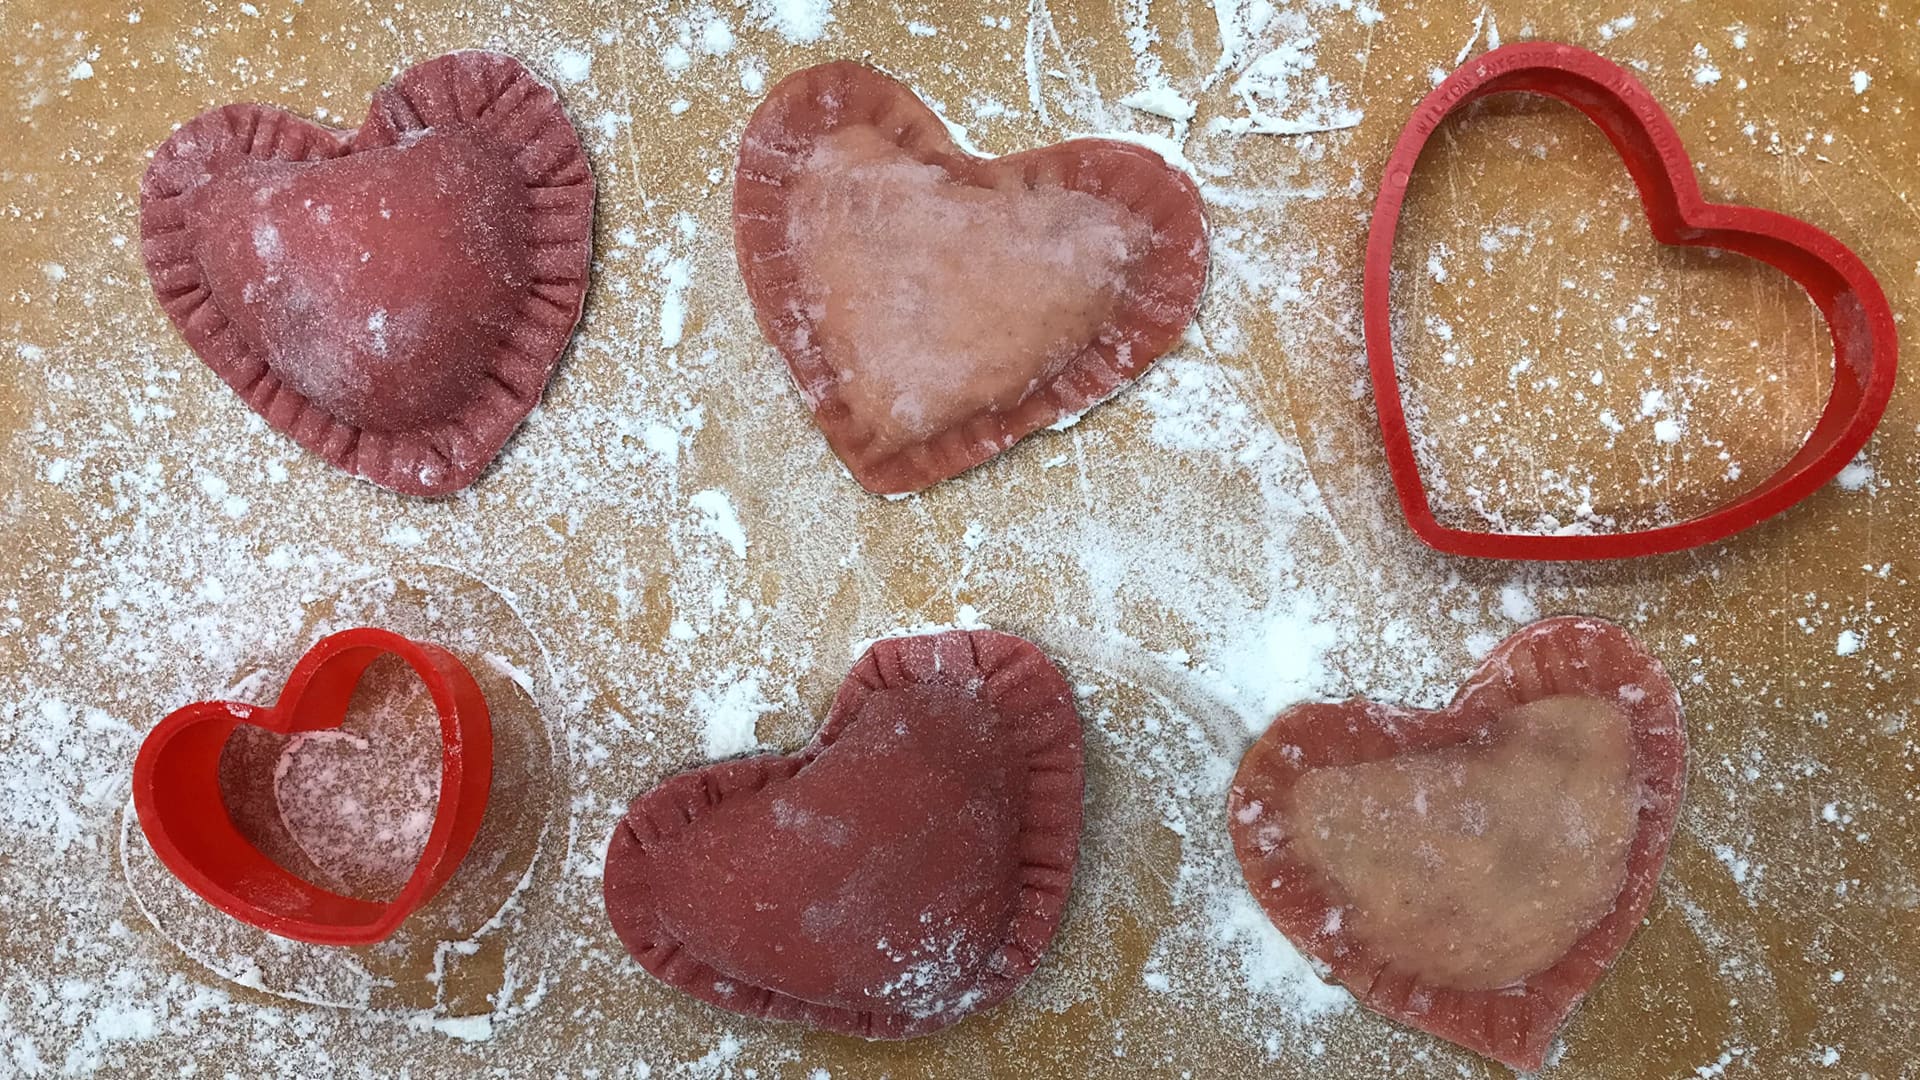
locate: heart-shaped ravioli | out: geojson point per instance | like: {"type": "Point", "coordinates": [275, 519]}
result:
{"type": "Point", "coordinates": [1473, 871]}
{"type": "Point", "coordinates": [935, 307]}
{"type": "Point", "coordinates": [394, 297]}
{"type": "Point", "coordinates": [905, 870]}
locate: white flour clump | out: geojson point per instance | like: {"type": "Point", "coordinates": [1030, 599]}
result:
{"type": "Point", "coordinates": [799, 21]}
{"type": "Point", "coordinates": [728, 713]}
{"type": "Point", "coordinates": [572, 65]}
{"type": "Point", "coordinates": [717, 516]}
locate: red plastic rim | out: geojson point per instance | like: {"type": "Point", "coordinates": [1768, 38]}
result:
{"type": "Point", "coordinates": [176, 791]}
{"type": "Point", "coordinates": [1865, 340]}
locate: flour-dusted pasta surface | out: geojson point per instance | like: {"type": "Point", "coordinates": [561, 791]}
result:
{"type": "Point", "coordinates": [667, 565]}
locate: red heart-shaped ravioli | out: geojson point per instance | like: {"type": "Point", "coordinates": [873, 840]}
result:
{"type": "Point", "coordinates": [1473, 871]}
{"type": "Point", "coordinates": [905, 870]}
{"type": "Point", "coordinates": [394, 297]}
{"type": "Point", "coordinates": [935, 307]}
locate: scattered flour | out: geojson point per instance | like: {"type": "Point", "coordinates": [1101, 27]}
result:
{"type": "Point", "coordinates": [1184, 626]}
{"type": "Point", "coordinates": [1269, 962]}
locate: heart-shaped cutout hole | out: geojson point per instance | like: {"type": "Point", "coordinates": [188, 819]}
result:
{"type": "Point", "coordinates": [188, 809]}
{"type": "Point", "coordinates": [394, 297]}
{"type": "Point", "coordinates": [1474, 870]}
{"type": "Point", "coordinates": [1859, 321]}
{"type": "Point", "coordinates": [905, 870]}
{"type": "Point", "coordinates": [935, 307]}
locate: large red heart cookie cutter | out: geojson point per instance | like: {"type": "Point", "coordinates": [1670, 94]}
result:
{"type": "Point", "coordinates": [1861, 322]}
{"type": "Point", "coordinates": [176, 791]}
{"type": "Point", "coordinates": [394, 297]}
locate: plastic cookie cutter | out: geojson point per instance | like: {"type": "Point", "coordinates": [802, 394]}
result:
{"type": "Point", "coordinates": [176, 792]}
{"type": "Point", "coordinates": [1861, 322]}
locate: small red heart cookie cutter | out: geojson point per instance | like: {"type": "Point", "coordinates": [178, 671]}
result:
{"type": "Point", "coordinates": [176, 791]}
{"type": "Point", "coordinates": [1861, 322]}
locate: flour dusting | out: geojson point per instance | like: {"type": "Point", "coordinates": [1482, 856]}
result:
{"type": "Point", "coordinates": [666, 565]}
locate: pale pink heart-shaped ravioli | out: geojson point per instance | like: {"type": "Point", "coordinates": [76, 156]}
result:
{"type": "Point", "coordinates": [394, 297]}
{"type": "Point", "coordinates": [1474, 870]}
{"type": "Point", "coordinates": [935, 307]}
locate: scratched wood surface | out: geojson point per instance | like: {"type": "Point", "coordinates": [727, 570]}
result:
{"type": "Point", "coordinates": [158, 544]}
